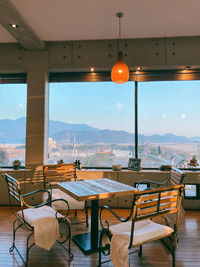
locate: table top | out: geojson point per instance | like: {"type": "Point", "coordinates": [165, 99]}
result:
{"type": "Point", "coordinates": [96, 189]}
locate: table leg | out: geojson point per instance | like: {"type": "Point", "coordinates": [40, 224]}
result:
{"type": "Point", "coordinates": [89, 242]}
{"type": "Point", "coordinates": [94, 223]}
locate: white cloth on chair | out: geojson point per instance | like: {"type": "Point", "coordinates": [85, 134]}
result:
{"type": "Point", "coordinates": [46, 228]}
{"type": "Point", "coordinates": [61, 205]}
{"type": "Point", "coordinates": [119, 250]}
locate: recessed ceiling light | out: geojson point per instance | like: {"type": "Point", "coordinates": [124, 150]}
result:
{"type": "Point", "coordinates": [13, 25]}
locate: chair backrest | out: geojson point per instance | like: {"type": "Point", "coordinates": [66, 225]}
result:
{"type": "Point", "coordinates": [149, 204]}
{"type": "Point", "coordinates": [14, 189]}
{"type": "Point", "coordinates": [176, 176]}
{"type": "Point", "coordinates": [59, 173]}
{"type": "Point", "coordinates": [157, 202]}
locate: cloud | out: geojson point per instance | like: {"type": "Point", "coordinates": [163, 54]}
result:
{"type": "Point", "coordinates": [183, 116]}
{"type": "Point", "coordinates": [20, 105]}
{"type": "Point", "coordinates": [164, 116]}
{"type": "Point", "coordinates": [119, 105]}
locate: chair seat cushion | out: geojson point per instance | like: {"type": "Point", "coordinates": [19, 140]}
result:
{"type": "Point", "coordinates": [144, 231]}
{"type": "Point", "coordinates": [60, 205]}
{"type": "Point", "coordinates": [33, 214]}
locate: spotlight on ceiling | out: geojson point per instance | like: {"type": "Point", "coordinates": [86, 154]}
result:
{"type": "Point", "coordinates": [14, 26]}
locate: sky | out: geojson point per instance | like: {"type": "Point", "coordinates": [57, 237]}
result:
{"type": "Point", "coordinates": [163, 107]}
{"type": "Point", "coordinates": [169, 107]}
{"type": "Point", "coordinates": [103, 105]}
{"type": "Point", "coordinates": [13, 101]}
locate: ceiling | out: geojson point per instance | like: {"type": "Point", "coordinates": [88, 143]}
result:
{"type": "Point", "coordinates": [65, 20]}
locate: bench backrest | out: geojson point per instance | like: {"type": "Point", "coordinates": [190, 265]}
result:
{"type": "Point", "coordinates": [59, 173]}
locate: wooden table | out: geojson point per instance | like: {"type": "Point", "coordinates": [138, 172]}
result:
{"type": "Point", "coordinates": [94, 190]}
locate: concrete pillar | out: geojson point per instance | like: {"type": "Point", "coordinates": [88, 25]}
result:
{"type": "Point", "coordinates": [37, 115]}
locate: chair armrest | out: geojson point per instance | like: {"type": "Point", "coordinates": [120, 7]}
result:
{"type": "Point", "coordinates": [151, 182]}
{"type": "Point", "coordinates": [121, 219]}
{"type": "Point", "coordinates": [32, 193]}
{"type": "Point", "coordinates": [48, 203]}
{"type": "Point", "coordinates": [36, 191]}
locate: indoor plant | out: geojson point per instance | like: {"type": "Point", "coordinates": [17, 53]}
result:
{"type": "Point", "coordinates": [60, 161]}
{"type": "Point", "coordinates": [16, 164]}
{"type": "Point", "coordinates": [193, 162]}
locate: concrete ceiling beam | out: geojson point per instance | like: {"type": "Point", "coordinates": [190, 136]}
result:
{"type": "Point", "coordinates": [22, 32]}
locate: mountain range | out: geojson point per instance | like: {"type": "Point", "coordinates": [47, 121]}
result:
{"type": "Point", "coordinates": [13, 132]}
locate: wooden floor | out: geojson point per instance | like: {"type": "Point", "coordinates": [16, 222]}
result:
{"type": "Point", "coordinates": [188, 253]}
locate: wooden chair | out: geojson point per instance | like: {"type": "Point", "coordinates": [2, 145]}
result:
{"type": "Point", "coordinates": [37, 217]}
{"type": "Point", "coordinates": [138, 228]}
{"type": "Point", "coordinates": [62, 173]}
{"type": "Point", "coordinates": [175, 177]}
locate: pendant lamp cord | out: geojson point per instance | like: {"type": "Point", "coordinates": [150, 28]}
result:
{"type": "Point", "coordinates": [119, 34]}
{"type": "Point", "coordinates": [119, 16]}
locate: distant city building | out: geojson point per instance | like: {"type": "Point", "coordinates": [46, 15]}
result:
{"type": "Point", "coordinates": [52, 143]}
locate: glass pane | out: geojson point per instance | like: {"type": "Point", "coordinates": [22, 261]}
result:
{"type": "Point", "coordinates": [12, 123]}
{"type": "Point", "coordinates": [190, 190]}
{"type": "Point", "coordinates": [169, 132]}
{"type": "Point", "coordinates": [92, 122]}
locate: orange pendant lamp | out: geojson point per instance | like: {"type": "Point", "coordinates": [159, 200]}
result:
{"type": "Point", "coordinates": [120, 71]}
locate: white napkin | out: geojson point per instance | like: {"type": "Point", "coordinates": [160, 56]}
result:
{"type": "Point", "coordinates": [46, 231]}
{"type": "Point", "coordinates": [119, 250]}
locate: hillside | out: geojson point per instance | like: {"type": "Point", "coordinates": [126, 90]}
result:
{"type": "Point", "coordinates": [13, 132]}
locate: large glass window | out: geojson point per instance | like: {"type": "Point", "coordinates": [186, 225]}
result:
{"type": "Point", "coordinates": [168, 119]}
{"type": "Point", "coordinates": [92, 122]}
{"type": "Point", "coordinates": [12, 123]}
